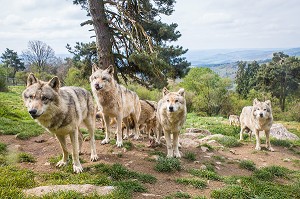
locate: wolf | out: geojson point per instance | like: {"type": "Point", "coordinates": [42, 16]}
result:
{"type": "Point", "coordinates": [147, 119]}
{"type": "Point", "coordinates": [257, 118]}
{"type": "Point", "coordinates": [61, 110]}
{"type": "Point", "coordinates": [116, 101]}
{"type": "Point", "coordinates": [171, 115]}
{"type": "Point", "coordinates": [234, 120]}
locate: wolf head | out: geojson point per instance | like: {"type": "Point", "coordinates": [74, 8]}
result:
{"type": "Point", "coordinates": [102, 80]}
{"type": "Point", "coordinates": [262, 110]}
{"type": "Point", "coordinates": [174, 101]}
{"type": "Point", "coordinates": [39, 95]}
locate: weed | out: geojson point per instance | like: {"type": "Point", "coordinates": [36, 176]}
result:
{"type": "Point", "coordinates": [128, 145]}
{"type": "Point", "coordinates": [167, 165]}
{"type": "Point", "coordinates": [269, 173]}
{"type": "Point", "coordinates": [229, 192]}
{"type": "Point", "coordinates": [247, 164]}
{"type": "Point", "coordinates": [283, 143]}
{"type": "Point", "coordinates": [25, 157]}
{"type": "Point", "coordinates": [229, 141]}
{"type": "Point", "coordinates": [159, 153]}
{"type": "Point", "coordinates": [3, 148]}
{"type": "Point", "coordinates": [178, 195]}
{"type": "Point", "coordinates": [210, 175]}
{"type": "Point", "coordinates": [190, 156]}
{"type": "Point", "coordinates": [197, 183]}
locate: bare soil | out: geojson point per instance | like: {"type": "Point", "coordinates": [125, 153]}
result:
{"type": "Point", "coordinates": [45, 146]}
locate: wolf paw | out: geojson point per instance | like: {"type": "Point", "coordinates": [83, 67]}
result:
{"type": "Point", "coordinates": [61, 163]}
{"type": "Point", "coordinates": [119, 144]}
{"type": "Point", "coordinates": [94, 158]}
{"type": "Point", "coordinates": [105, 141]}
{"type": "Point", "coordinates": [136, 137]}
{"type": "Point", "coordinates": [270, 149]}
{"type": "Point", "coordinates": [125, 137]}
{"type": "Point", "coordinates": [258, 148]}
{"type": "Point", "coordinates": [177, 155]}
{"type": "Point", "coordinates": [77, 169]}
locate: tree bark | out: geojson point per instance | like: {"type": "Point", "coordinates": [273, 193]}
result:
{"type": "Point", "coordinates": [103, 34]}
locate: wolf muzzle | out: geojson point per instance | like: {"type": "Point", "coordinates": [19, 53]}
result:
{"type": "Point", "coordinates": [33, 113]}
{"type": "Point", "coordinates": [98, 87]}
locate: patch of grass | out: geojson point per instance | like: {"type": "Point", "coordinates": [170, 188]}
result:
{"type": "Point", "coordinates": [190, 156]}
{"type": "Point", "coordinates": [11, 193]}
{"type": "Point", "coordinates": [119, 172]}
{"type": "Point", "coordinates": [12, 177]}
{"type": "Point", "coordinates": [197, 183]}
{"type": "Point", "coordinates": [128, 145]}
{"type": "Point", "coordinates": [269, 173]}
{"type": "Point", "coordinates": [3, 148]}
{"type": "Point", "coordinates": [247, 164]}
{"type": "Point", "coordinates": [167, 165]}
{"type": "Point", "coordinates": [229, 141]}
{"type": "Point", "coordinates": [282, 143]}
{"type": "Point", "coordinates": [208, 146]}
{"type": "Point", "coordinates": [130, 186]}
{"type": "Point", "coordinates": [204, 173]}
{"type": "Point", "coordinates": [229, 192]}
{"type": "Point", "coordinates": [159, 153]}
{"type": "Point", "coordinates": [178, 195]}
{"type": "Point", "coordinates": [218, 158]}
{"type": "Point", "coordinates": [26, 157]}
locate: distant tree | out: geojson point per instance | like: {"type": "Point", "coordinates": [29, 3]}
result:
{"type": "Point", "coordinates": [210, 89]}
{"type": "Point", "coordinates": [246, 77]}
{"type": "Point", "coordinates": [281, 77]}
{"type": "Point", "coordinates": [10, 59]}
{"type": "Point", "coordinates": [38, 55]}
{"type": "Point", "coordinates": [130, 36]}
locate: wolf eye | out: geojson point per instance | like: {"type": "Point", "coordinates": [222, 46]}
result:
{"type": "Point", "coordinates": [104, 78]}
{"type": "Point", "coordinates": [44, 98]}
{"type": "Point", "coordinates": [265, 109]}
{"type": "Point", "coordinates": [30, 96]}
{"type": "Point", "coordinates": [168, 100]}
{"type": "Point", "coordinates": [95, 77]}
{"type": "Point", "coordinates": [176, 101]}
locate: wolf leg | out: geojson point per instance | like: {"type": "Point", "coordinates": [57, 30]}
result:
{"type": "Point", "coordinates": [62, 142]}
{"type": "Point", "coordinates": [175, 145]}
{"type": "Point", "coordinates": [77, 168]}
{"type": "Point", "coordinates": [90, 124]}
{"type": "Point", "coordinates": [169, 144]}
{"type": "Point", "coordinates": [257, 147]}
{"type": "Point", "coordinates": [126, 135]}
{"type": "Point", "coordinates": [119, 141]}
{"type": "Point", "coordinates": [107, 129]}
{"type": "Point", "coordinates": [268, 144]}
{"type": "Point", "coordinates": [241, 132]}
{"type": "Point", "coordinates": [136, 126]}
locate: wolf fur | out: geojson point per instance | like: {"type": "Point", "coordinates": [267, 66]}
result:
{"type": "Point", "coordinates": [116, 101]}
{"type": "Point", "coordinates": [234, 120]}
{"type": "Point", "coordinates": [171, 115]}
{"type": "Point", "coordinates": [147, 120]}
{"type": "Point", "coordinates": [257, 118]}
{"type": "Point", "coordinates": [61, 110]}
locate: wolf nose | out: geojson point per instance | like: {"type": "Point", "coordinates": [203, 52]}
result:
{"type": "Point", "coordinates": [32, 112]}
{"type": "Point", "coordinates": [261, 114]}
{"type": "Point", "coordinates": [97, 86]}
{"type": "Point", "coordinates": [171, 108]}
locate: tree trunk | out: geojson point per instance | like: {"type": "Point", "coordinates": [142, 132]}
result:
{"type": "Point", "coordinates": [103, 34]}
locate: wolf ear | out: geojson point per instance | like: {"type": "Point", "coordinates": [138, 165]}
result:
{"type": "Point", "coordinates": [110, 69]}
{"type": "Point", "coordinates": [268, 102]}
{"type": "Point", "coordinates": [54, 83]}
{"type": "Point", "coordinates": [31, 79]}
{"type": "Point", "coordinates": [255, 101]}
{"type": "Point", "coordinates": [181, 92]}
{"type": "Point", "coordinates": [94, 67]}
{"type": "Point", "coordinates": [165, 91]}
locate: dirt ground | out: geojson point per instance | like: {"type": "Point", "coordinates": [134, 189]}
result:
{"type": "Point", "coordinates": [45, 146]}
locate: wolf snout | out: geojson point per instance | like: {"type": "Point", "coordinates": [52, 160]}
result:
{"type": "Point", "coordinates": [171, 108]}
{"type": "Point", "coordinates": [261, 114]}
{"type": "Point", "coordinates": [33, 113]}
{"type": "Point", "coordinates": [98, 87]}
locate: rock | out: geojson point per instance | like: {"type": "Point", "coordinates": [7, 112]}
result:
{"type": "Point", "coordinates": [204, 149]}
{"type": "Point", "coordinates": [203, 167]}
{"type": "Point", "coordinates": [84, 189]}
{"type": "Point", "coordinates": [210, 137]}
{"type": "Point", "coordinates": [199, 132]}
{"type": "Point", "coordinates": [280, 132]}
{"type": "Point", "coordinates": [189, 143]}
{"type": "Point", "coordinates": [150, 195]}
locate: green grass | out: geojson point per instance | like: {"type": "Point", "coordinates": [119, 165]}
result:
{"type": "Point", "coordinates": [247, 164]}
{"type": "Point", "coordinates": [197, 183]}
{"type": "Point", "coordinates": [128, 145]}
{"type": "Point", "coordinates": [204, 173]}
{"type": "Point", "coordinates": [269, 173]}
{"type": "Point", "coordinates": [229, 141]}
{"type": "Point", "coordinates": [14, 118]}
{"type": "Point", "coordinates": [232, 191]}
{"type": "Point", "coordinates": [3, 148]}
{"type": "Point", "coordinates": [167, 164]}
{"type": "Point", "coordinates": [190, 156]}
{"type": "Point", "coordinates": [178, 195]}
{"type": "Point", "coordinates": [25, 157]}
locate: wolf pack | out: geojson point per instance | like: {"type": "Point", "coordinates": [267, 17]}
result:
{"type": "Point", "coordinates": [62, 111]}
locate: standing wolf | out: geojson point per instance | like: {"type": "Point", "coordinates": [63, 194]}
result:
{"type": "Point", "coordinates": [116, 101]}
{"type": "Point", "coordinates": [171, 115]}
{"type": "Point", "coordinates": [257, 118]}
{"type": "Point", "coordinates": [61, 111]}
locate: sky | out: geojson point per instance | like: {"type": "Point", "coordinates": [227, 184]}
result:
{"type": "Point", "coordinates": [204, 24]}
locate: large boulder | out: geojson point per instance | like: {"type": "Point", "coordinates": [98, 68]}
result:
{"type": "Point", "coordinates": [280, 132]}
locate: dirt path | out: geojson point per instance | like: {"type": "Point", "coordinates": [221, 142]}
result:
{"type": "Point", "coordinates": [137, 159]}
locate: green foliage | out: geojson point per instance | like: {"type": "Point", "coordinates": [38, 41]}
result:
{"type": "Point", "coordinates": [128, 145]}
{"type": "Point", "coordinates": [130, 186]}
{"type": "Point", "coordinates": [230, 192]}
{"type": "Point", "coordinates": [190, 156]}
{"type": "Point", "coordinates": [3, 85]}
{"type": "Point", "coordinates": [283, 143]}
{"type": "Point", "coordinates": [228, 141]}
{"type": "Point", "coordinates": [10, 59]}
{"type": "Point", "coordinates": [205, 173]}
{"type": "Point", "coordinates": [197, 183]}
{"type": "Point", "coordinates": [18, 178]}
{"type": "Point", "coordinates": [144, 93]}
{"type": "Point", "coordinates": [3, 148]}
{"type": "Point", "coordinates": [25, 157]}
{"type": "Point", "coordinates": [178, 195]}
{"type": "Point", "coordinates": [269, 173]}
{"type": "Point", "coordinates": [74, 78]}
{"type": "Point", "coordinates": [247, 164]}
{"type": "Point", "coordinates": [167, 164]}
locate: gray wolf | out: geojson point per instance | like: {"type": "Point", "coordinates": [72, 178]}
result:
{"type": "Point", "coordinates": [257, 118]}
{"type": "Point", "coordinates": [147, 120]}
{"type": "Point", "coordinates": [61, 110]}
{"type": "Point", "coordinates": [171, 115]}
{"type": "Point", "coordinates": [234, 120]}
{"type": "Point", "coordinates": [116, 101]}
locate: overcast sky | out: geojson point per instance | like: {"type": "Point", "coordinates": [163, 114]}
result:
{"type": "Point", "coordinates": [204, 24]}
